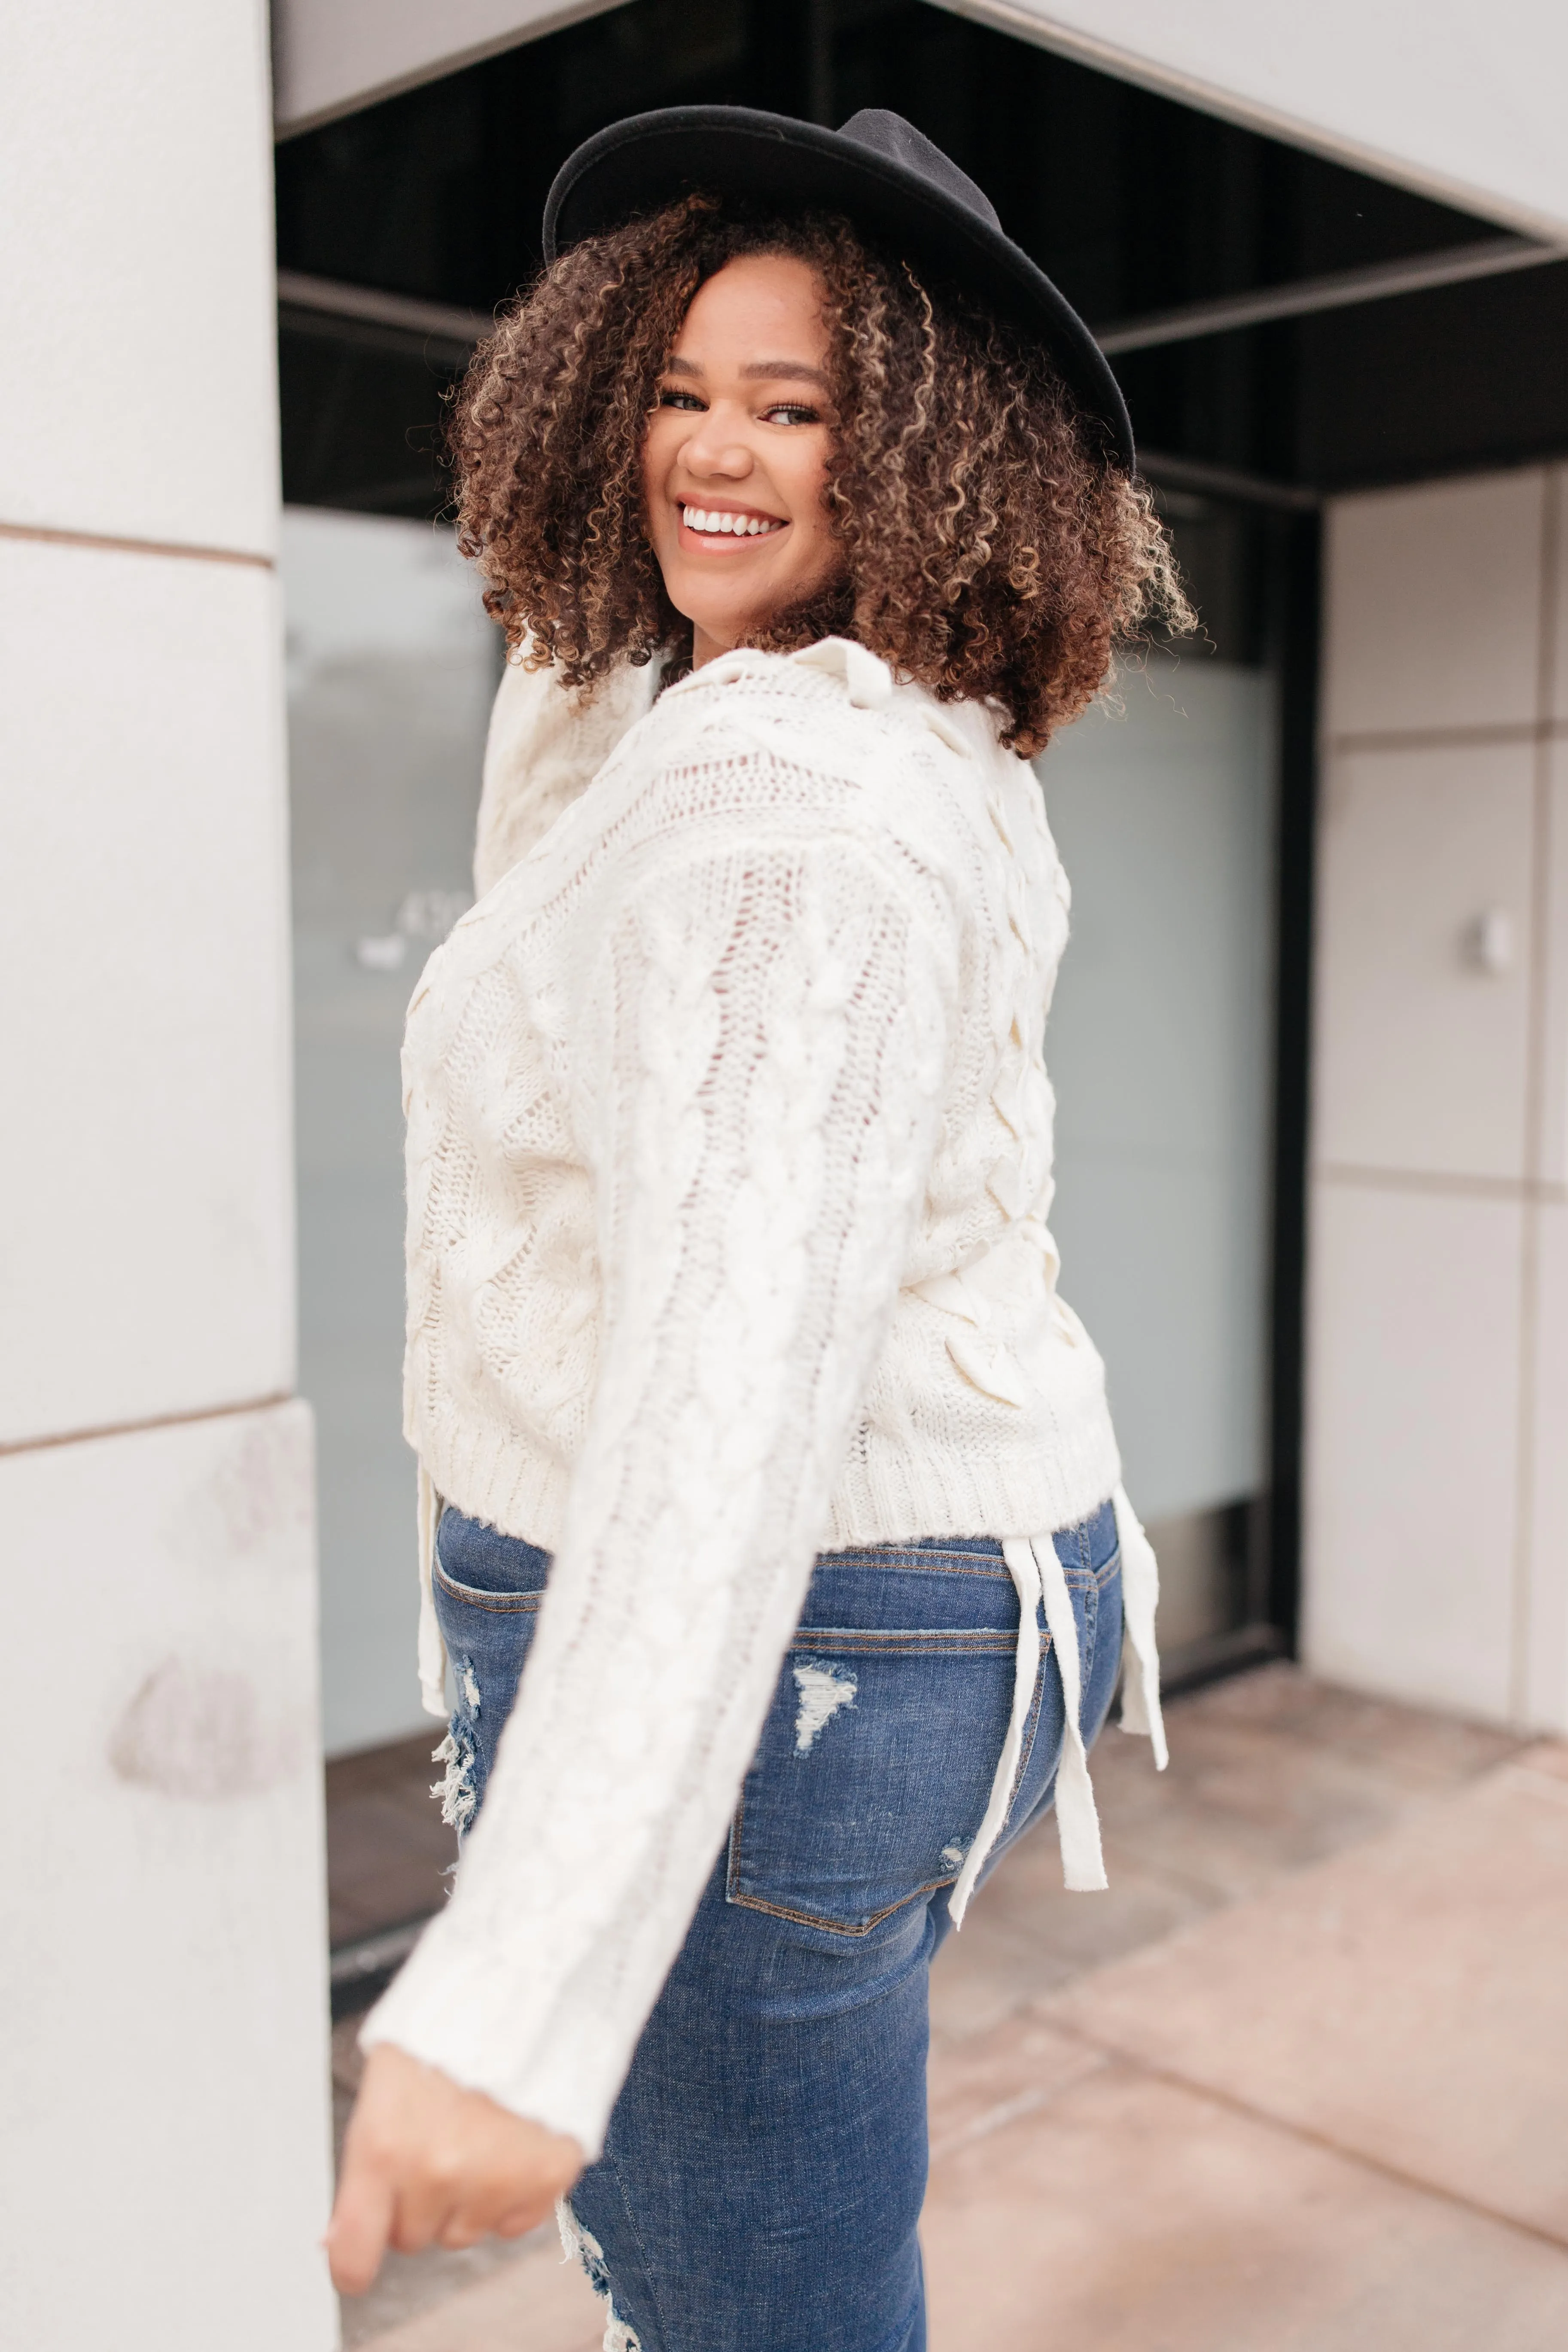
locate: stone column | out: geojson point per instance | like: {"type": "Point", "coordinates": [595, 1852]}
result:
{"type": "Point", "coordinates": [164, 2167]}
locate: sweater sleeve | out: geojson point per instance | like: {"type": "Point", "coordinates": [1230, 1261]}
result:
{"type": "Point", "coordinates": [544, 748]}
{"type": "Point", "coordinates": [763, 1039]}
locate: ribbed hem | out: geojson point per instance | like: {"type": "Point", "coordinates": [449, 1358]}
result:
{"type": "Point", "coordinates": [500, 1477]}
{"type": "Point", "coordinates": [889, 1496]}
{"type": "Point", "coordinates": [1046, 1480]}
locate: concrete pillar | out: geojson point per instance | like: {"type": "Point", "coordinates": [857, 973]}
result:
{"type": "Point", "coordinates": [1436, 1535]}
{"type": "Point", "coordinates": [164, 2171]}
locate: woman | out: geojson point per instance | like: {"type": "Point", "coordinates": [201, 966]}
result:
{"type": "Point", "coordinates": [734, 1348]}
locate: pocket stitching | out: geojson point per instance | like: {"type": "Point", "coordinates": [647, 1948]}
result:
{"type": "Point", "coordinates": [940, 1641]}
{"type": "Point", "coordinates": [502, 1604]}
{"type": "Point", "coordinates": [734, 1893]}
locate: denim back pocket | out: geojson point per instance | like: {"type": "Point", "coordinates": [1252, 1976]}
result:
{"type": "Point", "coordinates": [876, 1759]}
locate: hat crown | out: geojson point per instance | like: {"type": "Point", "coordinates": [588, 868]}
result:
{"type": "Point", "coordinates": [889, 135]}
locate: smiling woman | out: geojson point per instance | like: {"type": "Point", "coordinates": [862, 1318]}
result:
{"type": "Point", "coordinates": [771, 1514]}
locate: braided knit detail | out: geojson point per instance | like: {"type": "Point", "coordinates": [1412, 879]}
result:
{"type": "Point", "coordinates": [729, 1166]}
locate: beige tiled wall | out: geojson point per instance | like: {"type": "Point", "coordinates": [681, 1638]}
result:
{"type": "Point", "coordinates": [1436, 1514]}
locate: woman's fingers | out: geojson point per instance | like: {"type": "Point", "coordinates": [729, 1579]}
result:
{"type": "Point", "coordinates": [426, 2161]}
{"type": "Point", "coordinates": [523, 2218]}
{"type": "Point", "coordinates": [360, 2225]}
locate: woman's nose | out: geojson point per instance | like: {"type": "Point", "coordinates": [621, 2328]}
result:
{"type": "Point", "coordinates": [713, 449]}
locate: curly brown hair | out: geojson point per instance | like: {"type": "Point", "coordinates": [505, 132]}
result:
{"type": "Point", "coordinates": [992, 548]}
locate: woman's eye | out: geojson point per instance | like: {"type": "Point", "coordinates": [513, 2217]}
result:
{"type": "Point", "coordinates": [670, 398]}
{"type": "Point", "coordinates": [790, 412]}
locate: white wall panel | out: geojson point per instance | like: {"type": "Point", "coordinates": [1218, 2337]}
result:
{"type": "Point", "coordinates": [138, 393]}
{"type": "Point", "coordinates": [1461, 99]}
{"type": "Point", "coordinates": [331, 55]}
{"type": "Point", "coordinates": [1546, 1622]}
{"type": "Point", "coordinates": [1433, 603]}
{"type": "Point", "coordinates": [164, 2170]}
{"type": "Point", "coordinates": [1436, 1540]}
{"type": "Point", "coordinates": [1553, 1167]}
{"type": "Point", "coordinates": [146, 1230]}
{"type": "Point", "coordinates": [1423, 1050]}
{"type": "Point", "coordinates": [1412, 1438]}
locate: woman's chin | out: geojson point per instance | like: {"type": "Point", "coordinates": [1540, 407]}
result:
{"type": "Point", "coordinates": [740, 621]}
{"type": "Point", "coordinates": [735, 625]}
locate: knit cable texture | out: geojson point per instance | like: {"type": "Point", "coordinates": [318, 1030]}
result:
{"type": "Point", "coordinates": [729, 1148]}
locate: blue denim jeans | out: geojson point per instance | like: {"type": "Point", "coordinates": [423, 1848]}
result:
{"type": "Point", "coordinates": [765, 2163]}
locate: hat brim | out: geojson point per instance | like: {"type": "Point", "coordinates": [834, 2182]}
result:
{"type": "Point", "coordinates": [649, 160]}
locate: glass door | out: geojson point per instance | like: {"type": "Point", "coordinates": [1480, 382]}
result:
{"type": "Point", "coordinates": [392, 667]}
{"type": "Point", "coordinates": [1161, 1050]}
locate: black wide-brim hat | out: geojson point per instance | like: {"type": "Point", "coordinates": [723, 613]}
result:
{"type": "Point", "coordinates": [879, 172]}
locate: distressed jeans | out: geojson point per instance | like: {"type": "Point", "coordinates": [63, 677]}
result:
{"type": "Point", "coordinates": [765, 2165]}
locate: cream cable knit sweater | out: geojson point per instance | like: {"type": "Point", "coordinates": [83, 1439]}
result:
{"type": "Point", "coordinates": [729, 1162]}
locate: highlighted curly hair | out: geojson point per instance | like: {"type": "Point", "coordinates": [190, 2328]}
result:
{"type": "Point", "coordinates": [992, 548]}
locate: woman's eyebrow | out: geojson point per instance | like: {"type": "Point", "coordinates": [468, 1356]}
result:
{"type": "Point", "coordinates": [766, 369]}
{"type": "Point", "coordinates": [757, 371]}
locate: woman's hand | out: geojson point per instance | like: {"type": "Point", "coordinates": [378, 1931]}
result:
{"type": "Point", "coordinates": [427, 2163]}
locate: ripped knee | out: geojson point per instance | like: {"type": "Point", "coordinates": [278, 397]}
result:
{"type": "Point", "coordinates": [582, 2246]}
{"type": "Point", "coordinates": [457, 1787]}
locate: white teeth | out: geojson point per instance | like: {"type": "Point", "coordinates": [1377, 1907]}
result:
{"type": "Point", "coordinates": [711, 520]}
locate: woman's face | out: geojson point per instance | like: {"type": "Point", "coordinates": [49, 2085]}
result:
{"type": "Point", "coordinates": [735, 457]}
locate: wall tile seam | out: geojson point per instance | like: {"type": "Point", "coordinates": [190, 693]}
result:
{"type": "Point", "coordinates": [10, 1446]}
{"type": "Point", "coordinates": [45, 535]}
{"type": "Point", "coordinates": [1504, 732]}
{"type": "Point", "coordinates": [1348, 1175]}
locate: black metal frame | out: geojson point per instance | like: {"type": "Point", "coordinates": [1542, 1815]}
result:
{"type": "Point", "coordinates": [1299, 645]}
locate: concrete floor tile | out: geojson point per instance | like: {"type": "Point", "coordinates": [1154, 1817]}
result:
{"type": "Point", "coordinates": [1270, 1773]}
{"type": "Point", "coordinates": [1548, 1756]}
{"type": "Point", "coordinates": [534, 2302]}
{"type": "Point", "coordinates": [1408, 1999]}
{"type": "Point", "coordinates": [1024, 1936]}
{"type": "Point", "coordinates": [1415, 1745]}
{"type": "Point", "coordinates": [1239, 1804]}
{"type": "Point", "coordinates": [1136, 2216]}
{"type": "Point", "coordinates": [990, 2079]}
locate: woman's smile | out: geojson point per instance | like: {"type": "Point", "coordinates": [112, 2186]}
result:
{"type": "Point", "coordinates": [721, 530]}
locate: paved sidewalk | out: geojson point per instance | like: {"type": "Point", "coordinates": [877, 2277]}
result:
{"type": "Point", "coordinates": [1299, 2083]}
